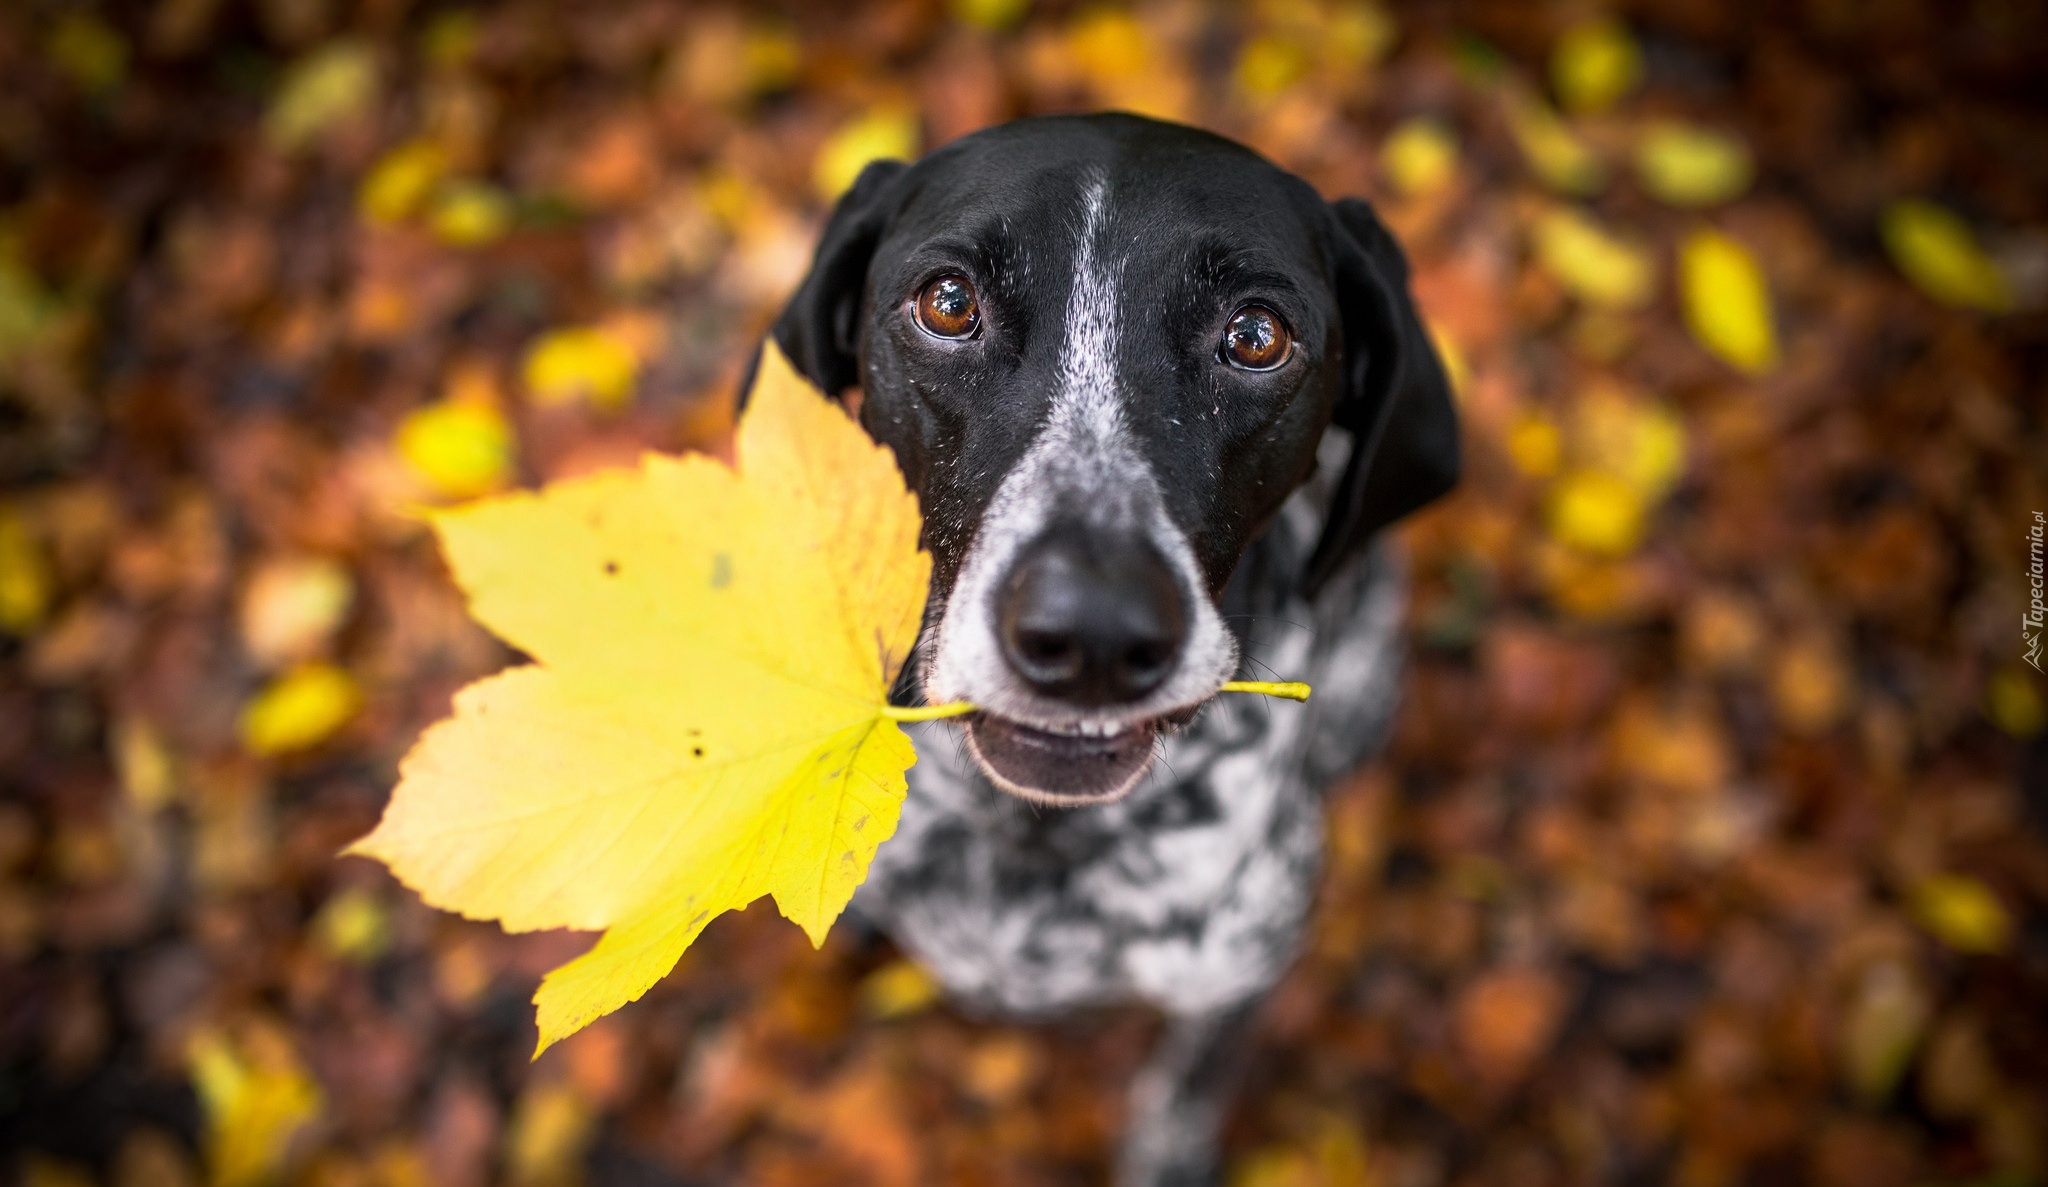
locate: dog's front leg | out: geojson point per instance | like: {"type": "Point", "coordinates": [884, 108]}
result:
{"type": "Point", "coordinates": [1179, 1098]}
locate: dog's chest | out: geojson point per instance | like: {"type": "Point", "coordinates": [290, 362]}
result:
{"type": "Point", "coordinates": [1190, 892]}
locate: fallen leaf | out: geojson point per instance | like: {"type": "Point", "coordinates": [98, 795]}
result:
{"type": "Point", "coordinates": [1597, 512]}
{"type": "Point", "coordinates": [353, 925]}
{"type": "Point", "coordinates": [1635, 440]}
{"type": "Point", "coordinates": [90, 52]}
{"type": "Point", "coordinates": [459, 448]}
{"type": "Point", "coordinates": [26, 583]}
{"type": "Point", "coordinates": [1332, 1154]}
{"type": "Point", "coordinates": [583, 362]}
{"type": "Point", "coordinates": [1420, 156]}
{"type": "Point", "coordinates": [993, 15]}
{"type": "Point", "coordinates": [2014, 704]}
{"type": "Point", "coordinates": [1125, 63]}
{"type": "Point", "coordinates": [291, 606]}
{"type": "Point", "coordinates": [1268, 65]}
{"type": "Point", "coordinates": [27, 311]}
{"type": "Point", "coordinates": [300, 709]}
{"type": "Point", "coordinates": [1594, 64]}
{"type": "Point", "coordinates": [255, 1096]}
{"type": "Point", "coordinates": [1505, 1018]}
{"type": "Point", "coordinates": [1959, 1072]}
{"type": "Point", "coordinates": [705, 723]}
{"type": "Point", "coordinates": [147, 769]}
{"type": "Point", "coordinates": [1886, 1016]}
{"type": "Point", "coordinates": [551, 1126]}
{"type": "Point", "coordinates": [1599, 266]}
{"type": "Point", "coordinates": [1559, 155]}
{"type": "Point", "coordinates": [725, 61]}
{"type": "Point", "coordinates": [884, 133]}
{"type": "Point", "coordinates": [898, 988]}
{"type": "Point", "coordinates": [1350, 35]}
{"type": "Point", "coordinates": [1727, 302]}
{"type": "Point", "coordinates": [470, 214]}
{"type": "Point", "coordinates": [1809, 685]}
{"type": "Point", "coordinates": [324, 89]}
{"type": "Point", "coordinates": [1963, 913]}
{"type": "Point", "coordinates": [1536, 446]}
{"type": "Point", "coordinates": [399, 183]}
{"type": "Point", "coordinates": [1722, 631]}
{"type": "Point", "coordinates": [1934, 247]}
{"type": "Point", "coordinates": [1001, 1068]}
{"type": "Point", "coordinates": [1688, 165]}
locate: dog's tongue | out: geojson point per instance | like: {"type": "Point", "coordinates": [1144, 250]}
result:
{"type": "Point", "coordinates": [1060, 768]}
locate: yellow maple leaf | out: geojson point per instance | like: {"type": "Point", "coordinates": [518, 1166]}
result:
{"type": "Point", "coordinates": [707, 721]}
{"type": "Point", "coordinates": [1727, 301]}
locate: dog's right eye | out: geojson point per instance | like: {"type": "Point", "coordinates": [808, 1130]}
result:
{"type": "Point", "coordinates": [947, 309]}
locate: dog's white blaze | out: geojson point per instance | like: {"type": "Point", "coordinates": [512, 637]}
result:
{"type": "Point", "coordinates": [1084, 464]}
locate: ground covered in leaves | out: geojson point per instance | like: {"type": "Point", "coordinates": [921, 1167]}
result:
{"type": "Point", "coordinates": [1710, 846]}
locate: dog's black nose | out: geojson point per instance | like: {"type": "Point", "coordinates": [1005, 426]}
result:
{"type": "Point", "coordinates": [1091, 619]}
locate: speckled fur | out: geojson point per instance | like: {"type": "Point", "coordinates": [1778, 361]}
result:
{"type": "Point", "coordinates": [1192, 892]}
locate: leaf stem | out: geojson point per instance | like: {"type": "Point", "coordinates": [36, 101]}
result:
{"type": "Point", "coordinates": [1293, 690]}
{"type": "Point", "coordinates": [927, 712]}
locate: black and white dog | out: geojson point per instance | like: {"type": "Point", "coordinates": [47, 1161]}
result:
{"type": "Point", "coordinates": [1156, 398]}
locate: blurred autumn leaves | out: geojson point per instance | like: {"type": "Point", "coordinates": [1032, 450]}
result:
{"type": "Point", "coordinates": [1698, 857]}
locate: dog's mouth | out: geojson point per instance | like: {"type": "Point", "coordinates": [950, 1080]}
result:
{"type": "Point", "coordinates": [1063, 765]}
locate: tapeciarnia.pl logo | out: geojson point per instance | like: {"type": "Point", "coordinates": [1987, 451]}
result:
{"type": "Point", "coordinates": [2037, 611]}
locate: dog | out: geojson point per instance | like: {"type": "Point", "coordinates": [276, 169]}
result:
{"type": "Point", "coordinates": [1156, 399]}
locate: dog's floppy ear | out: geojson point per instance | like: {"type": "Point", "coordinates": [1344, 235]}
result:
{"type": "Point", "coordinates": [819, 330]}
{"type": "Point", "coordinates": [1394, 398]}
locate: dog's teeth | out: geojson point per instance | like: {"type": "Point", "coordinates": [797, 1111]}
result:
{"type": "Point", "coordinates": [1086, 729]}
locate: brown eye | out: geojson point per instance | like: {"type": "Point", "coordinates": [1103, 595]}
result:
{"type": "Point", "coordinates": [1255, 340]}
{"type": "Point", "coordinates": [947, 309]}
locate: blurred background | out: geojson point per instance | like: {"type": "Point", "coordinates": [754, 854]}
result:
{"type": "Point", "coordinates": [1710, 847]}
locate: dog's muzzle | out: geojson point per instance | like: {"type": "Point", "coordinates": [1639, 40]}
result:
{"type": "Point", "coordinates": [1096, 621]}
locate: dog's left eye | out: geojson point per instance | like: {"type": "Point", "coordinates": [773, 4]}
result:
{"type": "Point", "coordinates": [947, 308]}
{"type": "Point", "coordinates": [1256, 339]}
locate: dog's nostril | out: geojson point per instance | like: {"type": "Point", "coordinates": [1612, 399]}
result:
{"type": "Point", "coordinates": [1050, 655]}
{"type": "Point", "coordinates": [1147, 659]}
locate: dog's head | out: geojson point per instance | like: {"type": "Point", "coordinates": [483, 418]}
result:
{"type": "Point", "coordinates": [1104, 350]}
